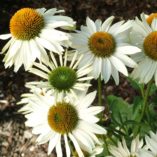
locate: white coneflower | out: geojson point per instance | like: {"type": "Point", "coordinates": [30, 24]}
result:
{"type": "Point", "coordinates": [31, 31]}
{"type": "Point", "coordinates": [144, 35]}
{"type": "Point", "coordinates": [63, 78]}
{"type": "Point", "coordinates": [122, 150]}
{"type": "Point", "coordinates": [106, 47]}
{"type": "Point", "coordinates": [74, 121]}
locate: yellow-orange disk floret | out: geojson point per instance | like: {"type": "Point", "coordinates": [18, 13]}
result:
{"type": "Point", "coordinates": [151, 17]}
{"type": "Point", "coordinates": [26, 24]}
{"type": "Point", "coordinates": [62, 117]}
{"type": "Point", "coordinates": [150, 45]}
{"type": "Point", "coordinates": [102, 44]}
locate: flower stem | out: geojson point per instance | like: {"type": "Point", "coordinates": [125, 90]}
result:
{"type": "Point", "coordinates": [145, 95]}
{"type": "Point", "coordinates": [99, 91]}
{"type": "Point", "coordinates": [145, 102]}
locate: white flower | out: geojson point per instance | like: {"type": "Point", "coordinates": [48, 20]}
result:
{"type": "Point", "coordinates": [144, 36]}
{"type": "Point", "coordinates": [31, 31]}
{"type": "Point", "coordinates": [64, 77]}
{"type": "Point", "coordinates": [68, 120]}
{"type": "Point", "coordinates": [106, 47]}
{"type": "Point", "coordinates": [151, 143]}
{"type": "Point", "coordinates": [121, 150]}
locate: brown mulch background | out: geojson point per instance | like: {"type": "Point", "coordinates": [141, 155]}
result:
{"type": "Point", "coordinates": [15, 139]}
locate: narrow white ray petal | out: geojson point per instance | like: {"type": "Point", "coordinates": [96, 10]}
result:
{"type": "Point", "coordinates": [95, 109]}
{"type": "Point", "coordinates": [35, 50]}
{"type": "Point", "coordinates": [87, 100]}
{"type": "Point", "coordinates": [67, 147]}
{"type": "Point", "coordinates": [14, 48]}
{"type": "Point", "coordinates": [88, 118]}
{"type": "Point", "coordinates": [113, 28]}
{"type": "Point", "coordinates": [65, 59]}
{"type": "Point", "coordinates": [53, 143]}
{"type": "Point", "coordinates": [115, 75]}
{"type": "Point", "coordinates": [58, 147]}
{"type": "Point", "coordinates": [5, 36]}
{"type": "Point", "coordinates": [126, 60]}
{"type": "Point", "coordinates": [146, 25]}
{"type": "Point", "coordinates": [39, 73]}
{"type": "Point", "coordinates": [85, 78]}
{"type": "Point", "coordinates": [61, 60]}
{"type": "Point", "coordinates": [94, 128]}
{"type": "Point", "coordinates": [98, 24]}
{"type": "Point", "coordinates": [119, 65]}
{"type": "Point", "coordinates": [43, 138]}
{"type": "Point", "coordinates": [106, 25]}
{"type": "Point", "coordinates": [91, 25]}
{"type": "Point", "coordinates": [42, 67]}
{"type": "Point", "coordinates": [151, 72]}
{"type": "Point", "coordinates": [129, 50]}
{"type": "Point", "coordinates": [106, 69]}
{"type": "Point", "coordinates": [154, 24]}
{"type": "Point", "coordinates": [86, 71]}
{"type": "Point", "coordinates": [76, 145]}
{"type": "Point", "coordinates": [97, 66]}
{"type": "Point", "coordinates": [7, 45]}
{"type": "Point", "coordinates": [83, 142]}
{"type": "Point", "coordinates": [78, 61]}
{"type": "Point", "coordinates": [53, 59]}
{"type": "Point", "coordinates": [127, 25]}
{"type": "Point", "coordinates": [73, 60]}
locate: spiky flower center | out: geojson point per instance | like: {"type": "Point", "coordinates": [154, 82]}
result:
{"type": "Point", "coordinates": [102, 44]}
{"type": "Point", "coordinates": [62, 78]}
{"type": "Point", "coordinates": [26, 24]}
{"type": "Point", "coordinates": [150, 45]}
{"type": "Point", "coordinates": [151, 17]}
{"type": "Point", "coordinates": [63, 117]}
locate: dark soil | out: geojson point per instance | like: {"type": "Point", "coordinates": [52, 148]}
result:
{"type": "Point", "coordinates": [15, 139]}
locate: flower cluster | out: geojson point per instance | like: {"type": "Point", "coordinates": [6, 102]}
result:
{"type": "Point", "coordinates": [58, 107]}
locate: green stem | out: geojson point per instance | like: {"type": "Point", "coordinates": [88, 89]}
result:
{"type": "Point", "coordinates": [145, 102]}
{"type": "Point", "coordinates": [99, 91]}
{"type": "Point", "coordinates": [145, 95]}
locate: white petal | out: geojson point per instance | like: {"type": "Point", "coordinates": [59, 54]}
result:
{"type": "Point", "coordinates": [119, 65]}
{"type": "Point", "coordinates": [67, 148]}
{"type": "Point", "coordinates": [91, 25]}
{"type": "Point", "coordinates": [87, 100]}
{"type": "Point", "coordinates": [53, 142]}
{"type": "Point", "coordinates": [76, 145]}
{"type": "Point", "coordinates": [106, 69]}
{"type": "Point", "coordinates": [126, 60]}
{"type": "Point", "coordinates": [5, 36]}
{"type": "Point", "coordinates": [58, 147]}
{"type": "Point", "coordinates": [106, 25]}
{"type": "Point", "coordinates": [154, 24]}
{"type": "Point", "coordinates": [128, 50]}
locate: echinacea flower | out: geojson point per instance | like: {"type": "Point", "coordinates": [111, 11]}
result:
{"type": "Point", "coordinates": [31, 32]}
{"type": "Point", "coordinates": [122, 150]}
{"type": "Point", "coordinates": [63, 77]}
{"type": "Point", "coordinates": [73, 121]}
{"type": "Point", "coordinates": [144, 36]}
{"type": "Point", "coordinates": [106, 47]}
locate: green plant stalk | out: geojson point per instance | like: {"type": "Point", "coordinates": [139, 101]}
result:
{"type": "Point", "coordinates": [145, 95]}
{"type": "Point", "coordinates": [145, 102]}
{"type": "Point", "coordinates": [99, 91]}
